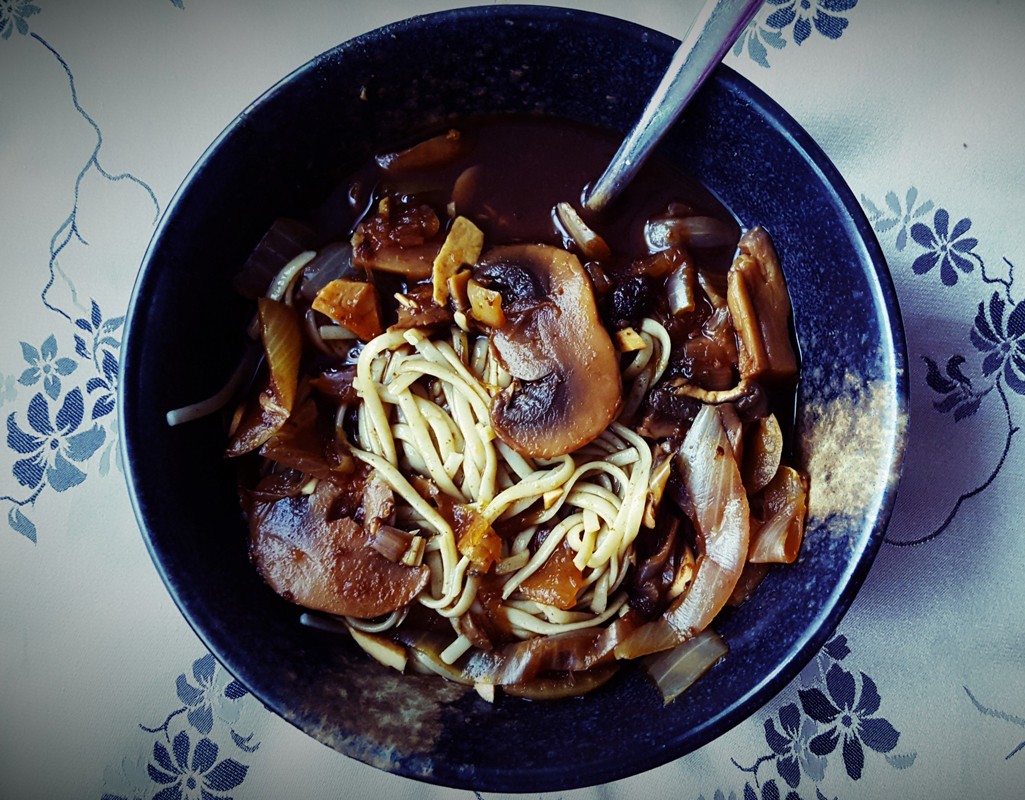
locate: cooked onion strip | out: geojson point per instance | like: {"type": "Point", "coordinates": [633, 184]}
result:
{"type": "Point", "coordinates": [285, 279]}
{"type": "Point", "coordinates": [676, 670]}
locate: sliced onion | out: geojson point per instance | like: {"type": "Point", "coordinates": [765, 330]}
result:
{"type": "Point", "coordinates": [283, 281]}
{"type": "Point", "coordinates": [710, 473]}
{"type": "Point", "coordinates": [465, 187]}
{"type": "Point", "coordinates": [763, 453]}
{"type": "Point", "coordinates": [297, 444]}
{"type": "Point", "coordinates": [779, 539]}
{"type": "Point", "coordinates": [524, 661]}
{"type": "Point", "coordinates": [660, 472]}
{"type": "Point", "coordinates": [425, 651]}
{"type": "Point", "coordinates": [661, 233]}
{"type": "Point", "coordinates": [680, 290]}
{"type": "Point", "coordinates": [760, 309]}
{"type": "Point", "coordinates": [332, 261]}
{"type": "Point", "coordinates": [381, 649]}
{"type": "Point", "coordinates": [278, 483]}
{"type": "Point", "coordinates": [431, 153]}
{"type": "Point", "coordinates": [558, 688]}
{"type": "Point", "coordinates": [391, 542]}
{"type": "Point", "coordinates": [752, 575]}
{"type": "Point", "coordinates": [282, 345]}
{"type": "Point", "coordinates": [323, 622]}
{"type": "Point", "coordinates": [285, 239]}
{"type": "Point", "coordinates": [591, 244]}
{"type": "Point", "coordinates": [734, 426]}
{"type": "Point", "coordinates": [676, 670]}
{"type": "Point", "coordinates": [721, 516]}
{"type": "Point", "coordinates": [336, 333]}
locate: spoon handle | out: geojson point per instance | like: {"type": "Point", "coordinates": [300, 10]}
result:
{"type": "Point", "coordinates": [712, 33]}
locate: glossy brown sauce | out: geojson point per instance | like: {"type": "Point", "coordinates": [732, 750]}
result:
{"type": "Point", "coordinates": [527, 164]}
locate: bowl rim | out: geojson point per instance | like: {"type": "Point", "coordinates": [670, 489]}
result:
{"type": "Point", "coordinates": [835, 608]}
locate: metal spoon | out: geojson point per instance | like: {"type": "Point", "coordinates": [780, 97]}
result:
{"type": "Point", "coordinates": [712, 33]}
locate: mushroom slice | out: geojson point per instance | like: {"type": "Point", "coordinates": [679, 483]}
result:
{"type": "Point", "coordinates": [695, 231]}
{"type": "Point", "coordinates": [760, 308]}
{"type": "Point", "coordinates": [566, 386]}
{"type": "Point", "coordinates": [327, 564]}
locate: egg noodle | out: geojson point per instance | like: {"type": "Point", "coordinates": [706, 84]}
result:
{"type": "Point", "coordinates": [423, 412]}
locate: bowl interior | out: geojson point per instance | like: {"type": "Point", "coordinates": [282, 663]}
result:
{"type": "Point", "coordinates": [280, 157]}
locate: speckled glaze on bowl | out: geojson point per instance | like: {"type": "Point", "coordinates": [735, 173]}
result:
{"type": "Point", "coordinates": [280, 156]}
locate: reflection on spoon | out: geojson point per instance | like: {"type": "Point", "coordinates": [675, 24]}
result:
{"type": "Point", "coordinates": [712, 33]}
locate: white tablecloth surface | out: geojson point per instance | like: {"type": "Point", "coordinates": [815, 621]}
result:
{"type": "Point", "coordinates": [105, 692]}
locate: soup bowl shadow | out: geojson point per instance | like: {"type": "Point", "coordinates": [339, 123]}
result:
{"type": "Point", "coordinates": [185, 334]}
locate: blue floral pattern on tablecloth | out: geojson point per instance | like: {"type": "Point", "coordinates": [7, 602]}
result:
{"type": "Point", "coordinates": [14, 15]}
{"type": "Point", "coordinates": [997, 331]}
{"type": "Point", "coordinates": [61, 429]}
{"type": "Point", "coordinates": [780, 22]}
{"type": "Point", "coordinates": [197, 752]}
{"type": "Point", "coordinates": [826, 730]}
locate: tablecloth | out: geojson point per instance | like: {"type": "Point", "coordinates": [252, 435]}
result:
{"type": "Point", "coordinates": [105, 692]}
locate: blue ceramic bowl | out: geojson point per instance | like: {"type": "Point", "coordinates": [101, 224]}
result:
{"type": "Point", "coordinates": [184, 336]}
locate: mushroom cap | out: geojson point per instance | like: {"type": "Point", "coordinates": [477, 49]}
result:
{"type": "Point", "coordinates": [324, 563]}
{"type": "Point", "coordinates": [566, 386]}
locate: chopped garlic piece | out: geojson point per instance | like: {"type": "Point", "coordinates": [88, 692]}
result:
{"type": "Point", "coordinates": [462, 246]}
{"type": "Point", "coordinates": [628, 340]}
{"type": "Point", "coordinates": [485, 305]}
{"type": "Point", "coordinates": [550, 498]}
{"type": "Point", "coordinates": [486, 691]}
{"type": "Point", "coordinates": [457, 289]}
